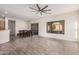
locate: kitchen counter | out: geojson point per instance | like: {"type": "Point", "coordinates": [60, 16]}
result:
{"type": "Point", "coordinates": [4, 36]}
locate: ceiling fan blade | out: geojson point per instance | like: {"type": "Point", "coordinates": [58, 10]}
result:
{"type": "Point", "coordinates": [44, 7]}
{"type": "Point", "coordinates": [33, 8]}
{"type": "Point", "coordinates": [37, 12]}
{"type": "Point", "coordinates": [33, 11]}
{"type": "Point", "coordinates": [38, 6]}
{"type": "Point", "coordinates": [46, 13]}
{"type": "Point", "coordinates": [47, 10]}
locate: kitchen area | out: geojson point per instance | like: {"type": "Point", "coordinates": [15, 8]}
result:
{"type": "Point", "coordinates": [4, 32]}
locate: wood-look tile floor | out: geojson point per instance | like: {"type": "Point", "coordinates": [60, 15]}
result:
{"type": "Point", "coordinates": [39, 46]}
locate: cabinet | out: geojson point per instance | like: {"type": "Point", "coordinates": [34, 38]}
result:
{"type": "Point", "coordinates": [2, 25]}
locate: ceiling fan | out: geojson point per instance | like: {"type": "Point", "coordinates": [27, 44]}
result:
{"type": "Point", "coordinates": [40, 10]}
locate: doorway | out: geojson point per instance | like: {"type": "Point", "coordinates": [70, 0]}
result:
{"type": "Point", "coordinates": [11, 27]}
{"type": "Point", "coordinates": [34, 28]}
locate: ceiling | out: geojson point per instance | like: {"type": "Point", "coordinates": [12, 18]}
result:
{"type": "Point", "coordinates": [23, 12]}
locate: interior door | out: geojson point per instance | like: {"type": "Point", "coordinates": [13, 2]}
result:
{"type": "Point", "coordinates": [11, 27]}
{"type": "Point", "coordinates": [34, 28]}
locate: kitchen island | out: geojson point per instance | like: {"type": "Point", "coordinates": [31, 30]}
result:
{"type": "Point", "coordinates": [4, 36]}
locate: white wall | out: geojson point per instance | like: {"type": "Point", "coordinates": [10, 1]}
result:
{"type": "Point", "coordinates": [70, 26]}
{"type": "Point", "coordinates": [21, 25]}
{"type": "Point", "coordinates": [78, 27]}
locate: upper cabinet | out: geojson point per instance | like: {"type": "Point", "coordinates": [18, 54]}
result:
{"type": "Point", "coordinates": [2, 24]}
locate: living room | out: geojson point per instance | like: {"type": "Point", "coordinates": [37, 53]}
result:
{"type": "Point", "coordinates": [31, 30]}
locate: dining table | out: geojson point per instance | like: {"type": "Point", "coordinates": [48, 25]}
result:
{"type": "Point", "coordinates": [25, 33]}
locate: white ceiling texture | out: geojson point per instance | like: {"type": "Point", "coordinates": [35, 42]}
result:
{"type": "Point", "coordinates": [22, 11]}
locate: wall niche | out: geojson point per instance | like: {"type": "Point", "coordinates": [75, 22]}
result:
{"type": "Point", "coordinates": [56, 27]}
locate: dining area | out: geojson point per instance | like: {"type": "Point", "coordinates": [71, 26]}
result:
{"type": "Point", "coordinates": [25, 33]}
{"type": "Point", "coordinates": [30, 32]}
